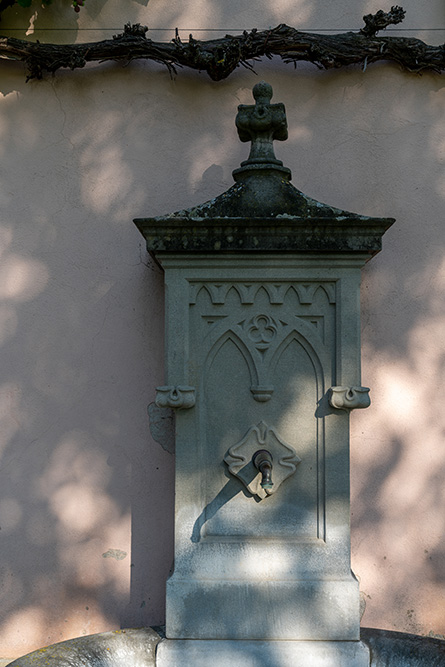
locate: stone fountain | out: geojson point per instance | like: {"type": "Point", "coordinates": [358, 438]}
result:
{"type": "Point", "coordinates": [263, 371]}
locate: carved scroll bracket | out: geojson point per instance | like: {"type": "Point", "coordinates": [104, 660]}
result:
{"type": "Point", "coordinates": [179, 397]}
{"type": "Point", "coordinates": [349, 398]}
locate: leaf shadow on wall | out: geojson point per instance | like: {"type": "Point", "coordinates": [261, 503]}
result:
{"type": "Point", "coordinates": [81, 328]}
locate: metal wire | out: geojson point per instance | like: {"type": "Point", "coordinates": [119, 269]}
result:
{"type": "Point", "coordinates": [237, 30]}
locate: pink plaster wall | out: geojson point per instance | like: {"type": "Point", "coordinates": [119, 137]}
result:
{"type": "Point", "coordinates": [86, 494]}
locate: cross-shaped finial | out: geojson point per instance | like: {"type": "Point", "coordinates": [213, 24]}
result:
{"type": "Point", "coordinates": [262, 124]}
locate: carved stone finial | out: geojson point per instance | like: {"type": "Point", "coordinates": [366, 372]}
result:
{"type": "Point", "coordinates": [262, 92]}
{"type": "Point", "coordinates": [261, 124]}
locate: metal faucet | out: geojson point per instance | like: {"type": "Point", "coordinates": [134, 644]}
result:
{"type": "Point", "coordinates": [263, 461]}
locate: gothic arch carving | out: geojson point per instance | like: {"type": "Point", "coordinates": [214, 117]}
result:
{"type": "Point", "coordinates": [230, 335]}
{"type": "Point", "coordinates": [295, 335]}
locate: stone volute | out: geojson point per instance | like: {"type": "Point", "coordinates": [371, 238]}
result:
{"type": "Point", "coordinates": [263, 371]}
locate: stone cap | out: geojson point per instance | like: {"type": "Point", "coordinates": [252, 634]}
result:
{"type": "Point", "coordinates": [263, 211]}
{"type": "Point", "coordinates": [285, 234]}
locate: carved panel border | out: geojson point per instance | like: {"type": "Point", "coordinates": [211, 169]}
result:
{"type": "Point", "coordinates": [247, 291]}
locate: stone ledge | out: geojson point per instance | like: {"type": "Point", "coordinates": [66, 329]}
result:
{"type": "Point", "coordinates": [226, 653]}
{"type": "Point", "coordinates": [277, 234]}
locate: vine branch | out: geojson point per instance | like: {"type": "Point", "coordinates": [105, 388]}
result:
{"type": "Point", "coordinates": [220, 57]}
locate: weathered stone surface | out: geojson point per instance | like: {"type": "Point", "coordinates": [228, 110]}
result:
{"type": "Point", "coordinates": [263, 211]}
{"type": "Point", "coordinates": [400, 649]}
{"type": "Point", "coordinates": [279, 568]}
{"type": "Point", "coordinates": [162, 426]}
{"type": "Point", "coordinates": [137, 648]}
{"type": "Point", "coordinates": [122, 648]}
{"type": "Point", "coordinates": [284, 234]}
{"type": "Point", "coordinates": [261, 654]}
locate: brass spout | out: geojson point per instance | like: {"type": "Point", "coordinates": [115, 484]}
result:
{"type": "Point", "coordinates": [262, 460]}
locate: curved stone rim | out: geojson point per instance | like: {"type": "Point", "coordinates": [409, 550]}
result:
{"type": "Point", "coordinates": [136, 647]}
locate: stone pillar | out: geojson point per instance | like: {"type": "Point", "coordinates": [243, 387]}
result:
{"type": "Point", "coordinates": [263, 369]}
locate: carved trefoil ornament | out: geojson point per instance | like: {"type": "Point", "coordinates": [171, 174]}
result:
{"type": "Point", "coordinates": [349, 398]}
{"type": "Point", "coordinates": [179, 397]}
{"type": "Point", "coordinates": [262, 329]}
{"type": "Point", "coordinates": [240, 464]}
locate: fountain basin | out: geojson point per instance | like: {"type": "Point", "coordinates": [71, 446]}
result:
{"type": "Point", "coordinates": [400, 649]}
{"type": "Point", "coordinates": [137, 648]}
{"type": "Point", "coordinates": [134, 647]}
